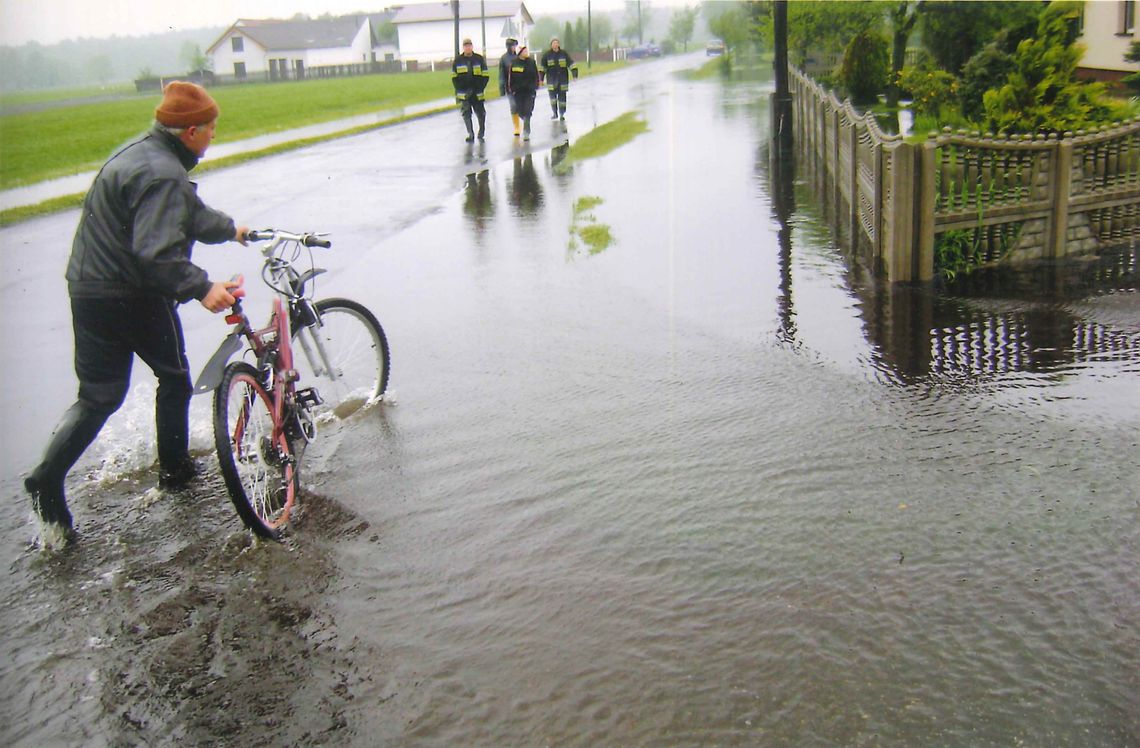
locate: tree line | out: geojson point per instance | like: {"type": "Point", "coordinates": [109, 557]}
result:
{"type": "Point", "coordinates": [1000, 66]}
{"type": "Point", "coordinates": [102, 62]}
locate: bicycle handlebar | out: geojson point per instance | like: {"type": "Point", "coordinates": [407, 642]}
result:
{"type": "Point", "coordinates": [307, 239]}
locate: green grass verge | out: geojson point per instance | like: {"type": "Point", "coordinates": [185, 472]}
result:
{"type": "Point", "coordinates": [75, 134]}
{"type": "Point", "coordinates": [603, 139]}
{"type": "Point", "coordinates": [66, 202]}
{"type": "Point", "coordinates": [64, 140]}
{"type": "Point", "coordinates": [713, 67]}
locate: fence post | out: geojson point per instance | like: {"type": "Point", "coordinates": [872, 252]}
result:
{"type": "Point", "coordinates": [877, 201]}
{"type": "Point", "coordinates": [897, 259]}
{"type": "Point", "coordinates": [853, 186]}
{"type": "Point", "coordinates": [1062, 190]}
{"type": "Point", "coordinates": [927, 168]}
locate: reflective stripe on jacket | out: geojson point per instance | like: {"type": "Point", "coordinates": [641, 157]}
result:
{"type": "Point", "coordinates": [556, 67]}
{"type": "Point", "coordinates": [469, 76]}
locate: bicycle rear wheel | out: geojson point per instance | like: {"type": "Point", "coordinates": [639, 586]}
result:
{"type": "Point", "coordinates": [258, 468]}
{"type": "Point", "coordinates": [350, 341]}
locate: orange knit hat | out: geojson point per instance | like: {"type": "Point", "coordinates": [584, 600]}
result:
{"type": "Point", "coordinates": [185, 104]}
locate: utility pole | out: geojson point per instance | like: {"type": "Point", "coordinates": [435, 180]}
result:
{"type": "Point", "coordinates": [782, 99]}
{"type": "Point", "coordinates": [455, 15]}
{"type": "Point", "coordinates": [639, 40]}
{"type": "Point", "coordinates": [589, 35]}
{"type": "Point", "coordinates": [483, 20]}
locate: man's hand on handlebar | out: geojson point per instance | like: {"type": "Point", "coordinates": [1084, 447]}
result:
{"type": "Point", "coordinates": [241, 234]}
{"type": "Point", "coordinates": [222, 296]}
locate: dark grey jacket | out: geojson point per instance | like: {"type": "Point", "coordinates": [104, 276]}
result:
{"type": "Point", "coordinates": [140, 220]}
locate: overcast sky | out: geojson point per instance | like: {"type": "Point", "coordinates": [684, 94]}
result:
{"type": "Point", "coordinates": [50, 21]}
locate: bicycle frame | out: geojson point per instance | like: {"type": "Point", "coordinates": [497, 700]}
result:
{"type": "Point", "coordinates": [290, 288]}
{"type": "Point", "coordinates": [271, 345]}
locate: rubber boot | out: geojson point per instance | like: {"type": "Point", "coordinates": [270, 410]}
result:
{"type": "Point", "coordinates": [562, 110]}
{"type": "Point", "coordinates": [515, 119]}
{"type": "Point", "coordinates": [470, 129]}
{"type": "Point", "coordinates": [482, 125]}
{"type": "Point", "coordinates": [526, 128]}
{"type": "Point", "coordinates": [554, 109]}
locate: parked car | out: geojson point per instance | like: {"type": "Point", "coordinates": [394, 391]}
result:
{"type": "Point", "coordinates": [643, 51]}
{"type": "Point", "coordinates": [714, 48]}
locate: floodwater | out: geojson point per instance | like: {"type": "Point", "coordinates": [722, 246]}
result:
{"type": "Point", "coordinates": [706, 484]}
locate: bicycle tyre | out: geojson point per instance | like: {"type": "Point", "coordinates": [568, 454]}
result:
{"type": "Point", "coordinates": [358, 349]}
{"type": "Point", "coordinates": [260, 476]}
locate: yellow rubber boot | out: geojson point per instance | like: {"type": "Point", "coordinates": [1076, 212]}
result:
{"type": "Point", "coordinates": [515, 119]}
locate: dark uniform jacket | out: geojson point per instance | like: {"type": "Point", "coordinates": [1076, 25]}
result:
{"type": "Point", "coordinates": [523, 76]}
{"type": "Point", "coordinates": [469, 76]}
{"type": "Point", "coordinates": [505, 70]}
{"type": "Point", "coordinates": [140, 220]}
{"type": "Point", "coordinates": [556, 68]}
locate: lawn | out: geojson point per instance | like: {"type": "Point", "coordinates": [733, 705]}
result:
{"type": "Point", "coordinates": [59, 139]}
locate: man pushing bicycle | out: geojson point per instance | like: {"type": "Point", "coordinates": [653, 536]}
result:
{"type": "Point", "coordinates": [130, 267]}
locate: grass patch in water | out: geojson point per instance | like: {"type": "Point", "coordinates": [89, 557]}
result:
{"type": "Point", "coordinates": [584, 225]}
{"type": "Point", "coordinates": [597, 237]}
{"type": "Point", "coordinates": [586, 203]}
{"type": "Point", "coordinates": [603, 139]}
{"type": "Point", "coordinates": [713, 67]}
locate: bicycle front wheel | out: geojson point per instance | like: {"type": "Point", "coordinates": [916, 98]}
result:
{"type": "Point", "coordinates": [345, 356]}
{"type": "Point", "coordinates": [253, 452]}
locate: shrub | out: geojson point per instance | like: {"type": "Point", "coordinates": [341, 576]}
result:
{"type": "Point", "coordinates": [1042, 93]}
{"type": "Point", "coordinates": [932, 91]}
{"type": "Point", "coordinates": [866, 65]}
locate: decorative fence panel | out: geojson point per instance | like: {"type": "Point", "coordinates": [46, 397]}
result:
{"type": "Point", "coordinates": [1022, 197]}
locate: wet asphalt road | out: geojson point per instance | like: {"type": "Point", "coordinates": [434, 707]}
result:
{"type": "Point", "coordinates": [701, 487]}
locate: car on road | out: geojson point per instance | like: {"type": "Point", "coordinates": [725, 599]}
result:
{"type": "Point", "coordinates": [643, 51]}
{"type": "Point", "coordinates": [714, 48]}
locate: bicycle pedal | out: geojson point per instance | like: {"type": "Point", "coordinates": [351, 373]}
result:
{"type": "Point", "coordinates": [309, 397]}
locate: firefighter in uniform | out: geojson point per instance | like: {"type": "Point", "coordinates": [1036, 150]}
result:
{"type": "Point", "coordinates": [469, 77]}
{"type": "Point", "coordinates": [505, 73]}
{"type": "Point", "coordinates": [557, 67]}
{"type": "Point", "coordinates": [523, 83]}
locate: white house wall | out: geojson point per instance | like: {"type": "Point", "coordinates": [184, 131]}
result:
{"type": "Point", "coordinates": [253, 55]}
{"type": "Point", "coordinates": [435, 40]}
{"type": "Point", "coordinates": [256, 58]}
{"type": "Point", "coordinates": [1105, 46]}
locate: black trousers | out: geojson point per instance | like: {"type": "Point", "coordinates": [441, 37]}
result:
{"type": "Point", "coordinates": [524, 99]}
{"type": "Point", "coordinates": [479, 106]}
{"type": "Point", "coordinates": [108, 334]}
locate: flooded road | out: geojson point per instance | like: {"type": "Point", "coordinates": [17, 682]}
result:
{"type": "Point", "coordinates": [705, 484]}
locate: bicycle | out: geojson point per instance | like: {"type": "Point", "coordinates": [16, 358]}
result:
{"type": "Point", "coordinates": [260, 416]}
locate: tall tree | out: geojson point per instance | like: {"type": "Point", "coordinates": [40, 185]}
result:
{"type": "Point", "coordinates": [955, 31]}
{"type": "Point", "coordinates": [544, 29]}
{"type": "Point", "coordinates": [829, 26]}
{"type": "Point", "coordinates": [904, 15]}
{"type": "Point", "coordinates": [191, 55]}
{"type": "Point", "coordinates": [681, 26]}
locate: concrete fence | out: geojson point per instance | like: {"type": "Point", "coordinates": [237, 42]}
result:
{"type": "Point", "coordinates": [1020, 198]}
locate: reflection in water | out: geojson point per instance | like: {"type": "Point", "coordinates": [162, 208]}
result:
{"type": "Point", "coordinates": [477, 203]}
{"type": "Point", "coordinates": [524, 192]}
{"type": "Point", "coordinates": [558, 154]}
{"type": "Point", "coordinates": [1029, 319]}
{"type": "Point", "coordinates": [781, 177]}
{"type": "Point", "coordinates": [973, 329]}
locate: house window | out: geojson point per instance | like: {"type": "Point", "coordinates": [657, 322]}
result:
{"type": "Point", "coordinates": [1127, 16]}
{"type": "Point", "coordinates": [238, 43]}
{"type": "Point", "coordinates": [239, 70]}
